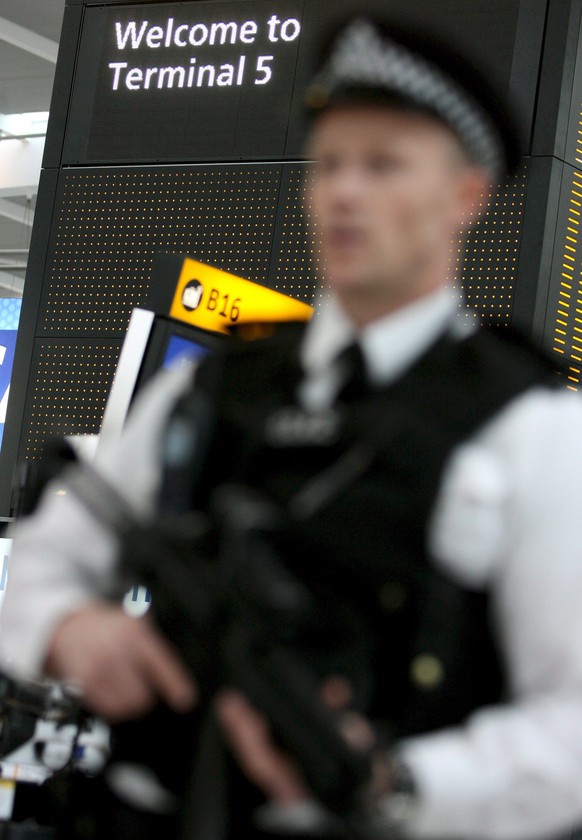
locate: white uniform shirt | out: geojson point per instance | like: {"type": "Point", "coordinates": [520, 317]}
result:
{"type": "Point", "coordinates": [507, 517]}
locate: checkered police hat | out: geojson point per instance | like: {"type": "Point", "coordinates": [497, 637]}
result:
{"type": "Point", "coordinates": [368, 61]}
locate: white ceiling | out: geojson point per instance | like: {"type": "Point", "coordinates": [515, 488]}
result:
{"type": "Point", "coordinates": [29, 35]}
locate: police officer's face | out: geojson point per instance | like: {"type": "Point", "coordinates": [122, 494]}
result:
{"type": "Point", "coordinates": [389, 190]}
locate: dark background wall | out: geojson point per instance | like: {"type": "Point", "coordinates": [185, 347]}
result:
{"type": "Point", "coordinates": [216, 171]}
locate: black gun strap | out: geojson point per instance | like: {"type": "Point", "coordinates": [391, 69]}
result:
{"type": "Point", "coordinates": [102, 499]}
{"type": "Point", "coordinates": [321, 489]}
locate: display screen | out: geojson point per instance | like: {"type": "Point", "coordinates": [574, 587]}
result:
{"type": "Point", "coordinates": [181, 352]}
{"type": "Point", "coordinates": [171, 345]}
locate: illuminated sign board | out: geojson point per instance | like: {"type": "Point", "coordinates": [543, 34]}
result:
{"type": "Point", "coordinates": [215, 300]}
{"type": "Point", "coordinates": [178, 79]}
{"type": "Point", "coordinates": [224, 81]}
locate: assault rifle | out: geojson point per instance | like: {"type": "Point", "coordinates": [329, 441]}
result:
{"type": "Point", "coordinates": [234, 611]}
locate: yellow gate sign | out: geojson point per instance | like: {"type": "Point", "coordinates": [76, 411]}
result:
{"type": "Point", "coordinates": [213, 299]}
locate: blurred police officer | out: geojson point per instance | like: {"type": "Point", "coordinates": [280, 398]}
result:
{"type": "Point", "coordinates": [428, 471]}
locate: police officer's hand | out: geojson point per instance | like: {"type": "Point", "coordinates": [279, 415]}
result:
{"type": "Point", "coordinates": [249, 737]}
{"type": "Point", "coordinates": [120, 664]}
{"type": "Point", "coordinates": [263, 762]}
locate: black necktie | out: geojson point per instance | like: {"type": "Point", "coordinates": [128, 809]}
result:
{"type": "Point", "coordinates": [355, 384]}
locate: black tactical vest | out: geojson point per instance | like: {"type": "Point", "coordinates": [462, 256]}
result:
{"type": "Point", "coordinates": [356, 487]}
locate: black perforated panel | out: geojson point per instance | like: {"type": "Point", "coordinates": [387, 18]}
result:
{"type": "Point", "coordinates": [296, 261]}
{"type": "Point", "coordinates": [248, 219]}
{"type": "Point", "coordinates": [488, 266]}
{"type": "Point", "coordinates": [68, 387]}
{"type": "Point", "coordinates": [110, 223]}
